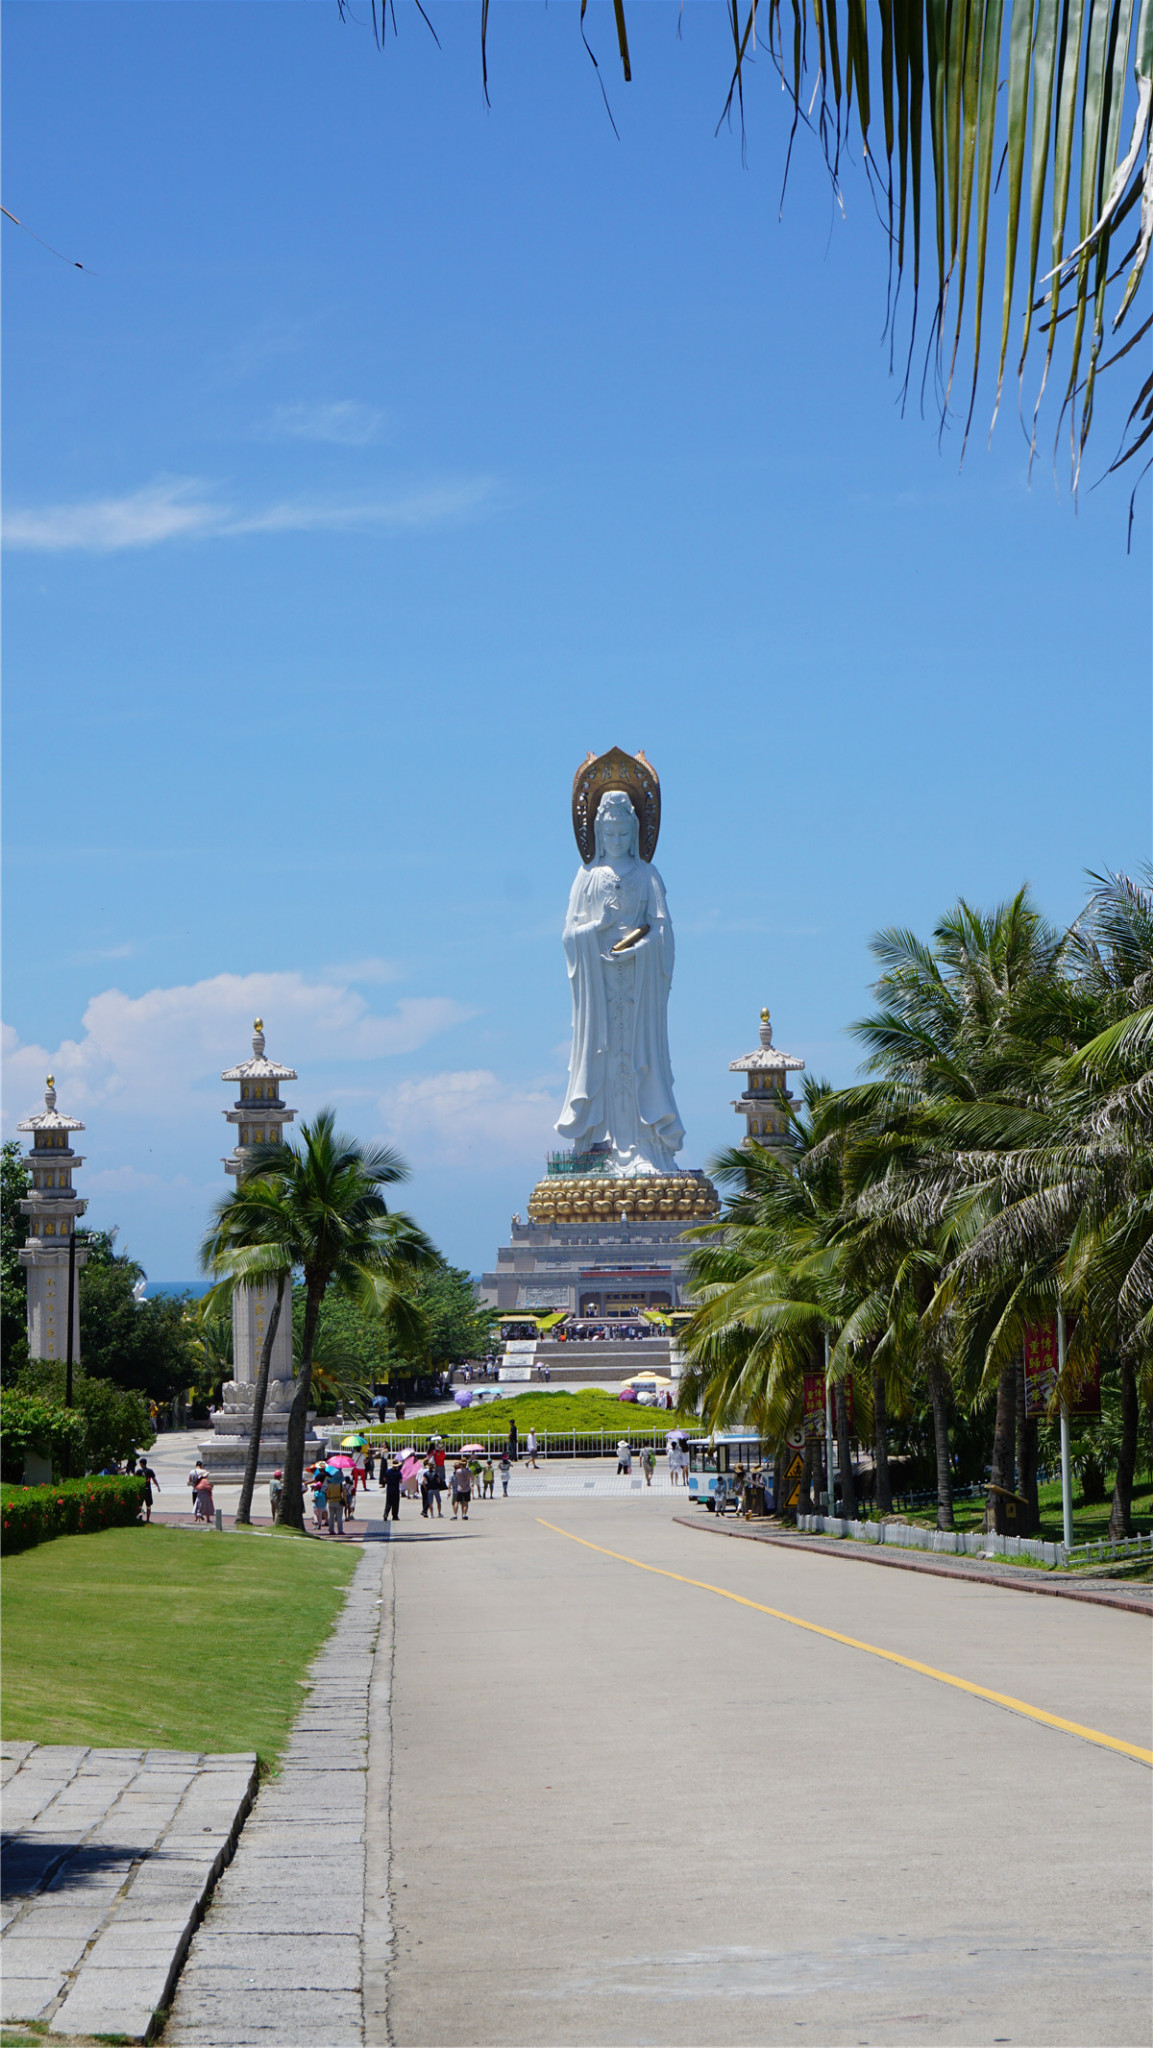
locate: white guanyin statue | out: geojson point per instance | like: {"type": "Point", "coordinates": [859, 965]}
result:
{"type": "Point", "coordinates": [618, 940]}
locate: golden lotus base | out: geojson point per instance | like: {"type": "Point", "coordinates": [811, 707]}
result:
{"type": "Point", "coordinates": [657, 1198]}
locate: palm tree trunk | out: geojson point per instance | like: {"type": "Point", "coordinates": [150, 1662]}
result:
{"type": "Point", "coordinates": [845, 1455]}
{"type": "Point", "coordinates": [1120, 1523]}
{"type": "Point", "coordinates": [292, 1498]}
{"type": "Point", "coordinates": [1004, 1465]}
{"type": "Point", "coordinates": [939, 1390]}
{"type": "Point", "coordinates": [1028, 1518]}
{"type": "Point", "coordinates": [883, 1490]}
{"type": "Point", "coordinates": [259, 1397]}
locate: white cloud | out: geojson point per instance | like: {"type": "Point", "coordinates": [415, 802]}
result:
{"type": "Point", "coordinates": [370, 969]}
{"type": "Point", "coordinates": [159, 512]}
{"type": "Point", "coordinates": [156, 1055]}
{"type": "Point", "coordinates": [184, 510]}
{"type": "Point", "coordinates": [469, 1117]}
{"type": "Point", "coordinates": [345, 421]}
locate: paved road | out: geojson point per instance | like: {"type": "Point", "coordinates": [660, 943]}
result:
{"type": "Point", "coordinates": [627, 1810]}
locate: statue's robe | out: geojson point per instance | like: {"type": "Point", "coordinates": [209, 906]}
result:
{"type": "Point", "coordinates": [588, 1114]}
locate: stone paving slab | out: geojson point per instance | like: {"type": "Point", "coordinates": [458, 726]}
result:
{"type": "Point", "coordinates": [278, 1957]}
{"type": "Point", "coordinates": [109, 1856]}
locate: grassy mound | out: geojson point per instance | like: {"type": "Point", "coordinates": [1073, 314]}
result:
{"type": "Point", "coordinates": [587, 1412]}
{"type": "Point", "coordinates": [165, 1638]}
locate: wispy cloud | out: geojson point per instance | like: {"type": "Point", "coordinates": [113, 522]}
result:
{"type": "Point", "coordinates": [182, 509]}
{"type": "Point", "coordinates": [94, 954]}
{"type": "Point", "coordinates": [359, 972]}
{"type": "Point", "coordinates": [346, 421]}
{"type": "Point", "coordinates": [164, 511]}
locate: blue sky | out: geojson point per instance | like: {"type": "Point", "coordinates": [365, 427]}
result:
{"type": "Point", "coordinates": [390, 454]}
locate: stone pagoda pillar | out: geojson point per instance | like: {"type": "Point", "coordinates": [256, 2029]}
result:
{"type": "Point", "coordinates": [52, 1208]}
{"type": "Point", "coordinates": [765, 1102]}
{"type": "Point", "coordinates": [259, 1113]}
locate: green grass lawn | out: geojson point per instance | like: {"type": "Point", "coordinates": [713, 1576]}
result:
{"type": "Point", "coordinates": [165, 1638]}
{"type": "Point", "coordinates": [591, 1409]}
{"type": "Point", "coordinates": [1089, 1522]}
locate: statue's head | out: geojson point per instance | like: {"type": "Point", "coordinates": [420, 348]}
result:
{"type": "Point", "coordinates": [616, 828]}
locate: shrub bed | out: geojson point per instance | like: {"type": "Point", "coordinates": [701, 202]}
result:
{"type": "Point", "coordinates": [73, 1507]}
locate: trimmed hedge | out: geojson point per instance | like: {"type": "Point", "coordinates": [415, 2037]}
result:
{"type": "Point", "coordinates": [73, 1507]}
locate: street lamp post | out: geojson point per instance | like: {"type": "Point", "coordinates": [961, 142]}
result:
{"type": "Point", "coordinates": [829, 1429]}
{"type": "Point", "coordinates": [70, 1342]}
{"type": "Point", "coordinates": [1066, 1455]}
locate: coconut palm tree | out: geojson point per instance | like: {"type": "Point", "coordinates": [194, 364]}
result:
{"type": "Point", "coordinates": [1075, 1207]}
{"type": "Point", "coordinates": [247, 1245]}
{"type": "Point", "coordinates": [332, 1225]}
{"type": "Point", "coordinates": [949, 102]}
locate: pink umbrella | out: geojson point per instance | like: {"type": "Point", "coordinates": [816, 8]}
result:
{"type": "Point", "coordinates": [342, 1458]}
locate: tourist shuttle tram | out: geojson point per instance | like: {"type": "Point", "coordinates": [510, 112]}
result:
{"type": "Point", "coordinates": [712, 1462]}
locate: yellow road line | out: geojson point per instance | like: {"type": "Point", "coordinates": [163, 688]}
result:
{"type": "Point", "coordinates": [981, 1692]}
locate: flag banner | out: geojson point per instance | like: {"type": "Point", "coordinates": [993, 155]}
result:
{"type": "Point", "coordinates": [814, 1406]}
{"type": "Point", "coordinates": [1040, 1368]}
{"type": "Point", "coordinates": [1087, 1401]}
{"type": "Point", "coordinates": [847, 1396]}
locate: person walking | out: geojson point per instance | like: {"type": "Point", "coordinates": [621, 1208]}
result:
{"type": "Point", "coordinates": [624, 1456]}
{"type": "Point", "coordinates": [390, 1480]}
{"type": "Point", "coordinates": [370, 1467]}
{"type": "Point", "coordinates": [194, 1481]}
{"type": "Point", "coordinates": [334, 1500]}
{"type": "Point", "coordinates": [203, 1509]}
{"type": "Point", "coordinates": [505, 1469]}
{"type": "Point", "coordinates": [513, 1441]}
{"type": "Point", "coordinates": [318, 1485]}
{"type": "Point", "coordinates": [461, 1490]}
{"type": "Point", "coordinates": [275, 1492]}
{"type": "Point", "coordinates": [144, 1471]}
{"type": "Point", "coordinates": [530, 1450]}
{"type": "Point", "coordinates": [647, 1463]}
{"type": "Point", "coordinates": [488, 1479]}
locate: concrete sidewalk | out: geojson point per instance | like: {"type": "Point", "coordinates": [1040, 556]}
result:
{"type": "Point", "coordinates": [278, 1959]}
{"type": "Point", "coordinates": [1095, 1592]}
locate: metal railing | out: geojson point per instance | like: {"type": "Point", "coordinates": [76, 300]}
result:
{"type": "Point", "coordinates": [551, 1443]}
{"type": "Point", "coordinates": [1106, 1548]}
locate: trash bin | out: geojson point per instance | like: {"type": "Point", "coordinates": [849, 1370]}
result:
{"type": "Point", "coordinates": [1005, 1511]}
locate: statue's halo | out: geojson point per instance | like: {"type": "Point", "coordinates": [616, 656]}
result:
{"type": "Point", "coordinates": [599, 773]}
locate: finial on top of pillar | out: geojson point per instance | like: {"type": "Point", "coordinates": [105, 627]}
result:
{"type": "Point", "coordinates": [258, 1037]}
{"type": "Point", "coordinates": [50, 1093]}
{"type": "Point", "coordinates": [766, 1029]}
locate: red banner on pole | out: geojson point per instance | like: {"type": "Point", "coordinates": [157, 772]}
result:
{"type": "Point", "coordinates": [1040, 1368]}
{"type": "Point", "coordinates": [1087, 1401]}
{"type": "Point", "coordinates": [813, 1385]}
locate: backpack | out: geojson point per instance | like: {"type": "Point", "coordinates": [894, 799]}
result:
{"type": "Point", "coordinates": [334, 1490]}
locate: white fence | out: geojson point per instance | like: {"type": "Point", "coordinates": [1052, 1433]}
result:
{"type": "Point", "coordinates": [953, 1542]}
